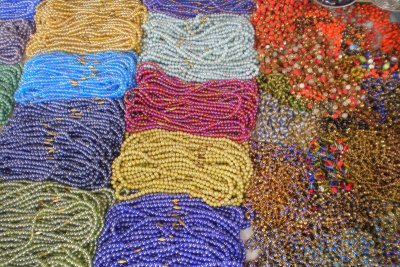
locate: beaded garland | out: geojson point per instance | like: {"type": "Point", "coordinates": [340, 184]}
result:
{"type": "Point", "coordinates": [59, 76]}
{"type": "Point", "coordinates": [48, 224]}
{"type": "Point", "coordinates": [225, 108]}
{"type": "Point", "coordinates": [191, 8]}
{"type": "Point", "coordinates": [9, 78]}
{"type": "Point", "coordinates": [80, 26]}
{"type": "Point", "coordinates": [14, 35]}
{"type": "Point", "coordinates": [214, 47]}
{"type": "Point", "coordinates": [17, 9]}
{"type": "Point", "coordinates": [171, 230]}
{"type": "Point", "coordinates": [72, 142]}
{"type": "Point", "coordinates": [215, 169]}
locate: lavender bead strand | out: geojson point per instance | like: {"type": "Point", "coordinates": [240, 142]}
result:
{"type": "Point", "coordinates": [14, 34]}
{"type": "Point", "coordinates": [72, 142]}
{"type": "Point", "coordinates": [171, 230]}
{"type": "Point", "coordinates": [18, 9]}
{"type": "Point", "coordinates": [191, 8]}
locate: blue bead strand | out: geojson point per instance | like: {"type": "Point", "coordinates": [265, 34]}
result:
{"type": "Point", "coordinates": [59, 76]}
{"type": "Point", "coordinates": [171, 230]}
{"type": "Point", "coordinates": [71, 142]}
{"type": "Point", "coordinates": [18, 9]}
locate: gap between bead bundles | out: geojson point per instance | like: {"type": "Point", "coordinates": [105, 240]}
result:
{"type": "Point", "coordinates": [18, 9]}
{"type": "Point", "coordinates": [184, 9]}
{"type": "Point", "coordinates": [58, 76]}
{"type": "Point", "coordinates": [48, 224]}
{"type": "Point", "coordinates": [225, 108]}
{"type": "Point", "coordinates": [80, 26]}
{"type": "Point", "coordinates": [217, 170]}
{"type": "Point", "coordinates": [171, 230]}
{"type": "Point", "coordinates": [9, 78]}
{"type": "Point", "coordinates": [14, 34]}
{"type": "Point", "coordinates": [214, 47]}
{"type": "Point", "coordinates": [72, 142]}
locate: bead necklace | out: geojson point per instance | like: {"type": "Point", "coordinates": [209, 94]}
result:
{"type": "Point", "coordinates": [215, 169]}
{"type": "Point", "coordinates": [48, 224]}
{"type": "Point", "coordinates": [225, 108]}
{"type": "Point", "coordinates": [58, 76]}
{"type": "Point", "coordinates": [191, 8]}
{"type": "Point", "coordinates": [80, 26]}
{"type": "Point", "coordinates": [71, 142]}
{"type": "Point", "coordinates": [171, 230]}
{"type": "Point", "coordinates": [214, 47]}
{"type": "Point", "coordinates": [283, 125]}
{"type": "Point", "coordinates": [17, 9]}
{"type": "Point", "coordinates": [9, 78]}
{"type": "Point", "coordinates": [13, 37]}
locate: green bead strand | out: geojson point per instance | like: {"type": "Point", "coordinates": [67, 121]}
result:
{"type": "Point", "coordinates": [9, 78]}
{"type": "Point", "coordinates": [49, 224]}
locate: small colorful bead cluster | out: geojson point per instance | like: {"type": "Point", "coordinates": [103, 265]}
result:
{"type": "Point", "coordinates": [215, 169]}
{"type": "Point", "coordinates": [72, 142]}
{"type": "Point", "coordinates": [225, 108]}
{"type": "Point", "coordinates": [18, 9]}
{"type": "Point", "coordinates": [214, 47]}
{"type": "Point", "coordinates": [14, 35]}
{"type": "Point", "coordinates": [104, 75]}
{"type": "Point", "coordinates": [47, 224]}
{"type": "Point", "coordinates": [191, 8]}
{"type": "Point", "coordinates": [9, 78]}
{"type": "Point", "coordinates": [80, 26]}
{"type": "Point", "coordinates": [171, 230]}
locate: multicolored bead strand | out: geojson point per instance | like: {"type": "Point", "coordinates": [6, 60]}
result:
{"type": "Point", "coordinates": [105, 74]}
{"type": "Point", "coordinates": [48, 224]}
{"type": "Point", "coordinates": [191, 8]}
{"type": "Point", "coordinates": [9, 78]}
{"type": "Point", "coordinates": [215, 169]}
{"type": "Point", "coordinates": [225, 108]}
{"type": "Point", "coordinates": [171, 230]}
{"type": "Point", "coordinates": [72, 142]}
{"type": "Point", "coordinates": [214, 47]}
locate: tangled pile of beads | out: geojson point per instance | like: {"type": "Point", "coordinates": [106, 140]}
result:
{"type": "Point", "coordinates": [215, 169]}
{"type": "Point", "coordinates": [14, 35]}
{"type": "Point", "coordinates": [9, 78]}
{"type": "Point", "coordinates": [71, 142]}
{"type": "Point", "coordinates": [80, 26]}
{"type": "Point", "coordinates": [18, 9]}
{"type": "Point", "coordinates": [214, 47]}
{"type": "Point", "coordinates": [191, 8]}
{"type": "Point", "coordinates": [48, 224]}
{"type": "Point", "coordinates": [105, 74]}
{"type": "Point", "coordinates": [171, 230]}
{"type": "Point", "coordinates": [225, 108]}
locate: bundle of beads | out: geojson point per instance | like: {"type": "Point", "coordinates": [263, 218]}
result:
{"type": "Point", "coordinates": [214, 47]}
{"type": "Point", "coordinates": [13, 37]}
{"type": "Point", "coordinates": [47, 224]}
{"type": "Point", "coordinates": [327, 167]}
{"type": "Point", "coordinates": [225, 108]}
{"type": "Point", "coordinates": [215, 169]}
{"type": "Point", "coordinates": [80, 26]}
{"type": "Point", "coordinates": [18, 9]}
{"type": "Point", "coordinates": [171, 230]}
{"type": "Point", "coordinates": [59, 76]}
{"type": "Point", "coordinates": [191, 8]}
{"type": "Point", "coordinates": [374, 162]}
{"type": "Point", "coordinates": [283, 125]}
{"type": "Point", "coordinates": [72, 142]}
{"type": "Point", "coordinates": [9, 78]}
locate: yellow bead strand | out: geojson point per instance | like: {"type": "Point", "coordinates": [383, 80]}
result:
{"type": "Point", "coordinates": [81, 26]}
{"type": "Point", "coordinates": [215, 169]}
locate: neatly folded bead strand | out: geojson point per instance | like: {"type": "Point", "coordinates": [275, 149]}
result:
{"type": "Point", "coordinates": [72, 142]}
{"type": "Point", "coordinates": [171, 230]}
{"type": "Point", "coordinates": [225, 108]}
